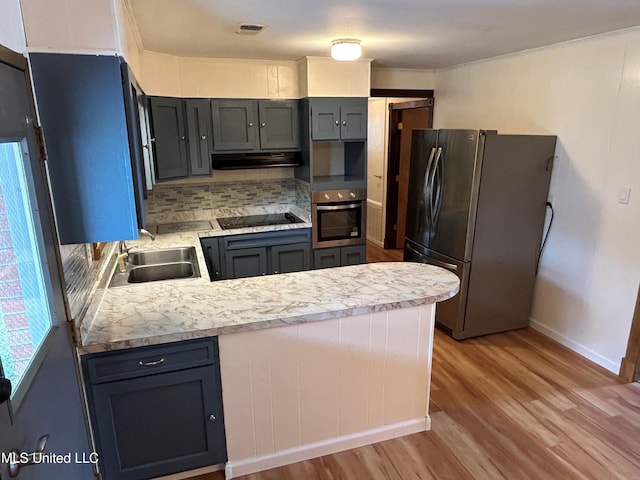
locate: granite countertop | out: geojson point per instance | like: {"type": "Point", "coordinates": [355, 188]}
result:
{"type": "Point", "coordinates": [174, 310]}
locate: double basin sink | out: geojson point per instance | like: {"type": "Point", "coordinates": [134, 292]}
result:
{"type": "Point", "coordinates": [157, 265]}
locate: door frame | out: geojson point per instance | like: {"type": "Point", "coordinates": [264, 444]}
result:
{"type": "Point", "coordinates": [630, 365]}
{"type": "Point", "coordinates": [61, 301]}
{"type": "Point", "coordinates": [61, 335]}
{"type": "Point", "coordinates": [393, 164]}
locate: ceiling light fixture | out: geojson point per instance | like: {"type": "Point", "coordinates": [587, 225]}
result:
{"type": "Point", "coordinates": [346, 49]}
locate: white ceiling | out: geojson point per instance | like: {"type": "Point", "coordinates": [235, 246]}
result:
{"type": "Point", "coordinates": [415, 34]}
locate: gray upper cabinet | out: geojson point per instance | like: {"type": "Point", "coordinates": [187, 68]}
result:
{"type": "Point", "coordinates": [169, 137]}
{"type": "Point", "coordinates": [279, 124]}
{"type": "Point", "coordinates": [234, 125]}
{"type": "Point", "coordinates": [86, 107]}
{"type": "Point", "coordinates": [338, 118]}
{"type": "Point", "coordinates": [253, 125]}
{"type": "Point", "coordinates": [199, 135]}
{"type": "Point", "coordinates": [182, 137]}
{"type": "Point", "coordinates": [353, 122]}
{"type": "Point", "coordinates": [325, 119]}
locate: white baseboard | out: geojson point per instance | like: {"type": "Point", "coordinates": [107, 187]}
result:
{"type": "Point", "coordinates": [375, 241]}
{"type": "Point", "coordinates": [575, 346]}
{"type": "Point", "coordinates": [247, 466]}
{"type": "Point", "coordinates": [191, 473]}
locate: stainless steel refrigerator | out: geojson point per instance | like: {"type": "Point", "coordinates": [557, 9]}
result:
{"type": "Point", "coordinates": [476, 206]}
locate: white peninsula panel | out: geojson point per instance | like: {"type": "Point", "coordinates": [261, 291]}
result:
{"type": "Point", "coordinates": [311, 389]}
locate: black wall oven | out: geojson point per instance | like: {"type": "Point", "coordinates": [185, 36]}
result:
{"type": "Point", "coordinates": [338, 217]}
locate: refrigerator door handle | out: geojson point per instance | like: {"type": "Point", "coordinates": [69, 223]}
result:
{"type": "Point", "coordinates": [426, 192]}
{"type": "Point", "coordinates": [432, 177]}
{"type": "Point", "coordinates": [438, 175]}
{"type": "Point", "coordinates": [433, 261]}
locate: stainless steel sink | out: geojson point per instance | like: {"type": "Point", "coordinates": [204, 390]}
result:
{"type": "Point", "coordinates": [157, 265]}
{"type": "Point", "coordinates": [166, 271]}
{"type": "Point", "coordinates": [168, 255]}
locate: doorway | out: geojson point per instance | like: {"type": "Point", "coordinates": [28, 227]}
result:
{"type": "Point", "coordinates": [630, 366]}
{"type": "Point", "coordinates": [40, 401]}
{"type": "Point", "coordinates": [404, 117]}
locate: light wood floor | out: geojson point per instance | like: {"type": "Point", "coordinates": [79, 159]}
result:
{"type": "Point", "coordinates": [509, 406]}
{"type": "Point", "coordinates": [379, 254]}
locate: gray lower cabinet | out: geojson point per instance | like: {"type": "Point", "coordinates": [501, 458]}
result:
{"type": "Point", "coordinates": [254, 254]}
{"type": "Point", "coordinates": [326, 257]}
{"type": "Point", "coordinates": [212, 257]}
{"type": "Point", "coordinates": [290, 258]}
{"type": "Point", "coordinates": [339, 256]}
{"type": "Point", "coordinates": [246, 262]}
{"type": "Point", "coordinates": [353, 255]}
{"type": "Point", "coordinates": [156, 410]}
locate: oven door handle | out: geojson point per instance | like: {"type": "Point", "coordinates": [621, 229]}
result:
{"type": "Point", "coordinates": [339, 207]}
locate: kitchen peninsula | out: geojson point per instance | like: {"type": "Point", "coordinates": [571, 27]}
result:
{"type": "Point", "coordinates": [348, 365]}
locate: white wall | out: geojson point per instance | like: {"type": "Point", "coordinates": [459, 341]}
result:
{"type": "Point", "coordinates": [401, 78]}
{"type": "Point", "coordinates": [11, 27]}
{"type": "Point", "coordinates": [73, 26]}
{"type": "Point", "coordinates": [588, 93]}
{"type": "Point", "coordinates": [216, 77]}
{"type": "Point", "coordinates": [326, 77]}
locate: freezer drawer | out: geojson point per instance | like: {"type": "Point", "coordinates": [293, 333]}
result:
{"type": "Point", "coordinates": [450, 313]}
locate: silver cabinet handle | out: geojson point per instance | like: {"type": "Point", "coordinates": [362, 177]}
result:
{"type": "Point", "coordinates": [250, 124]}
{"type": "Point", "coordinates": [263, 125]}
{"type": "Point", "coordinates": [344, 123]}
{"type": "Point", "coordinates": [339, 207]}
{"type": "Point", "coordinates": [212, 418]}
{"type": "Point", "coordinates": [203, 137]}
{"type": "Point", "coordinates": [182, 137]}
{"type": "Point", "coordinates": [151, 364]}
{"type": "Point", "coordinates": [19, 459]}
{"type": "Point", "coordinates": [337, 122]}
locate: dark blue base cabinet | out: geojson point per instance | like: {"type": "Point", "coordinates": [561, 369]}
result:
{"type": "Point", "coordinates": [156, 410]}
{"type": "Point", "coordinates": [255, 254]}
{"type": "Point", "coordinates": [339, 256]}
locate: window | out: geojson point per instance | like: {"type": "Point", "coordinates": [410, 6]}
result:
{"type": "Point", "coordinates": [26, 312]}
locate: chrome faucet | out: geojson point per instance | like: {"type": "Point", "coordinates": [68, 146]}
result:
{"type": "Point", "coordinates": [147, 233]}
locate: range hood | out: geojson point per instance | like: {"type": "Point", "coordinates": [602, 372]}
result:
{"type": "Point", "coordinates": [235, 161]}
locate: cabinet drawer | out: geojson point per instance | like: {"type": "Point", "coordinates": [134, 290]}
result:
{"type": "Point", "coordinates": [142, 361]}
{"type": "Point", "coordinates": [255, 240]}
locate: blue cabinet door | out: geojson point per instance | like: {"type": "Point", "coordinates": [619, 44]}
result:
{"type": "Point", "coordinates": [81, 103]}
{"type": "Point", "coordinates": [199, 134]}
{"type": "Point", "coordinates": [234, 124]}
{"type": "Point", "coordinates": [169, 137]}
{"type": "Point", "coordinates": [290, 258]}
{"type": "Point", "coordinates": [325, 119]}
{"type": "Point", "coordinates": [279, 124]}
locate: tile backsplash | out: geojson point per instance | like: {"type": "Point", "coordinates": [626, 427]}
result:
{"type": "Point", "coordinates": [169, 203]}
{"type": "Point", "coordinates": [85, 280]}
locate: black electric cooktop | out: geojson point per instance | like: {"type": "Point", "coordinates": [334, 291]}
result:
{"type": "Point", "coordinates": [258, 220]}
